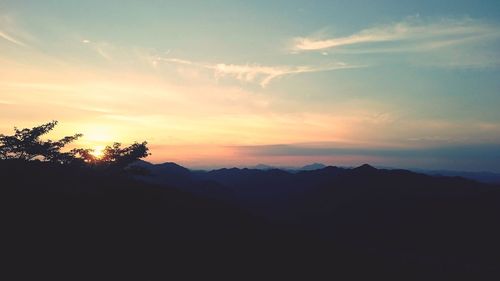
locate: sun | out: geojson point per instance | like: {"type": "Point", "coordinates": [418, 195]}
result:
{"type": "Point", "coordinates": [98, 151]}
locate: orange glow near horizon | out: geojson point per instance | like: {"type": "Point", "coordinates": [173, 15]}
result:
{"type": "Point", "coordinates": [203, 122]}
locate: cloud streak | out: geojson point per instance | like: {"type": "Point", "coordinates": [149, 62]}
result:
{"type": "Point", "coordinates": [10, 31]}
{"type": "Point", "coordinates": [261, 74]}
{"type": "Point", "coordinates": [448, 43]}
{"type": "Point", "coordinates": [4, 35]}
{"type": "Point", "coordinates": [412, 30]}
{"type": "Point", "coordinates": [102, 48]}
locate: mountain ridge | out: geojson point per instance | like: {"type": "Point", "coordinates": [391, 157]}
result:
{"type": "Point", "coordinates": [482, 176]}
{"type": "Point", "coordinates": [342, 218]}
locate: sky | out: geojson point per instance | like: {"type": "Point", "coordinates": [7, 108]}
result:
{"type": "Point", "coordinates": [409, 84]}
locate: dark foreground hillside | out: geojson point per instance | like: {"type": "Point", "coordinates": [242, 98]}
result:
{"type": "Point", "coordinates": [77, 222]}
{"type": "Point", "coordinates": [80, 223]}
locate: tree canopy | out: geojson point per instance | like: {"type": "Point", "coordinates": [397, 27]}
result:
{"type": "Point", "coordinates": [26, 144]}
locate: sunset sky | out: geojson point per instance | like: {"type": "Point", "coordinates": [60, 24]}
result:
{"type": "Point", "coordinates": [412, 84]}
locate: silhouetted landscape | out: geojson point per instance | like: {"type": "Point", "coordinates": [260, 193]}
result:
{"type": "Point", "coordinates": [164, 219]}
{"type": "Point", "coordinates": [250, 140]}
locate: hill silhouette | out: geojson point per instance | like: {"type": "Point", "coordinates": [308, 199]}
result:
{"type": "Point", "coordinates": [61, 216]}
{"type": "Point", "coordinates": [392, 214]}
{"type": "Point", "coordinates": [249, 223]}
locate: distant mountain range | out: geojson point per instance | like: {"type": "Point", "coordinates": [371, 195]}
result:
{"type": "Point", "coordinates": [362, 221]}
{"type": "Point", "coordinates": [396, 215]}
{"type": "Point", "coordinates": [485, 177]}
{"type": "Point", "coordinates": [275, 188]}
{"type": "Point", "coordinates": [310, 167]}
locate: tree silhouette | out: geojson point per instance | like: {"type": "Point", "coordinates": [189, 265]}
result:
{"type": "Point", "coordinates": [84, 156]}
{"type": "Point", "coordinates": [26, 144]}
{"type": "Point", "coordinates": [119, 157]}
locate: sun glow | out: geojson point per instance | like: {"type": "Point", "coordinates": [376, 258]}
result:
{"type": "Point", "coordinates": [98, 152]}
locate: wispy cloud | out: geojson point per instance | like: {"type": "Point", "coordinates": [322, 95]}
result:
{"type": "Point", "coordinates": [6, 36]}
{"type": "Point", "coordinates": [101, 48]}
{"type": "Point", "coordinates": [261, 74]}
{"type": "Point", "coordinates": [462, 42]}
{"type": "Point", "coordinates": [447, 31]}
{"type": "Point", "coordinates": [8, 29]}
{"type": "Point", "coordinates": [265, 74]}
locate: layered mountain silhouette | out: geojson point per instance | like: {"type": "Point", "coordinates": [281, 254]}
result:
{"type": "Point", "coordinates": [393, 213]}
{"type": "Point", "coordinates": [309, 167]}
{"type": "Point", "coordinates": [485, 177]}
{"type": "Point", "coordinates": [249, 223]}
